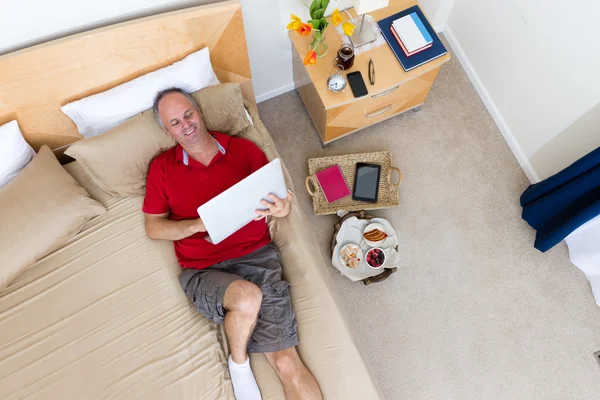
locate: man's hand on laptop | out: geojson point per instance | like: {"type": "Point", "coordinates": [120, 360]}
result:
{"type": "Point", "coordinates": [277, 208]}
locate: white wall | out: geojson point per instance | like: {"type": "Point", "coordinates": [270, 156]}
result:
{"type": "Point", "coordinates": [536, 66]}
{"type": "Point", "coordinates": [24, 23]}
{"type": "Point", "coordinates": [437, 12]}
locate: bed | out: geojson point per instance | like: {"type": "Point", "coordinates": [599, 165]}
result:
{"type": "Point", "coordinates": [103, 316]}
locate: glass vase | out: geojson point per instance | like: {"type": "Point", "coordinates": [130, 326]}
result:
{"type": "Point", "coordinates": [318, 44]}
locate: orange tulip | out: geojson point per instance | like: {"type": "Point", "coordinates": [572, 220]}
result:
{"type": "Point", "coordinates": [304, 29]}
{"type": "Point", "coordinates": [311, 58]}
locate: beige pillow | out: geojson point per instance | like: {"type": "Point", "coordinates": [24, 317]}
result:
{"type": "Point", "coordinates": [40, 209]}
{"type": "Point", "coordinates": [256, 133]}
{"type": "Point", "coordinates": [118, 160]}
{"type": "Point", "coordinates": [222, 108]}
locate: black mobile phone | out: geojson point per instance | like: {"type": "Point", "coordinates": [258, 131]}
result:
{"type": "Point", "coordinates": [366, 182]}
{"type": "Point", "coordinates": [357, 84]}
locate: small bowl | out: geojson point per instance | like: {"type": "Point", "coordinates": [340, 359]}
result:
{"type": "Point", "coordinates": [372, 251]}
{"type": "Point", "coordinates": [354, 248]}
{"type": "Point", "coordinates": [372, 227]}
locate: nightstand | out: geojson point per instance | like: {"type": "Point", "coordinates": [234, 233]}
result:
{"type": "Point", "coordinates": [336, 115]}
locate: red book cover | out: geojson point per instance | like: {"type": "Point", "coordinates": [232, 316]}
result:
{"type": "Point", "coordinates": [404, 48]}
{"type": "Point", "coordinates": [333, 183]}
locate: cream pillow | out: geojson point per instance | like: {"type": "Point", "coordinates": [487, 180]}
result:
{"type": "Point", "coordinates": [222, 108]}
{"type": "Point", "coordinates": [118, 160]}
{"type": "Point", "coordinates": [39, 210]}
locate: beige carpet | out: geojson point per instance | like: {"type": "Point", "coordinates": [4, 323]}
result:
{"type": "Point", "coordinates": [474, 311]}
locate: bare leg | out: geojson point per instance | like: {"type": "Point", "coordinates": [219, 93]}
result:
{"type": "Point", "coordinates": [242, 301]}
{"type": "Point", "coordinates": [298, 382]}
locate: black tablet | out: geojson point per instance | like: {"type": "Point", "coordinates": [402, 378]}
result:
{"type": "Point", "coordinates": [366, 182]}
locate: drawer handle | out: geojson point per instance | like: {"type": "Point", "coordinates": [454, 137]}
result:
{"type": "Point", "coordinates": [379, 112]}
{"type": "Point", "coordinates": [385, 93]}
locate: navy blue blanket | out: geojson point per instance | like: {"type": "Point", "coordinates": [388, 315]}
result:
{"type": "Point", "coordinates": [563, 202]}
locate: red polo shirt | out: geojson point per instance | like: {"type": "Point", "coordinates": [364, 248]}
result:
{"type": "Point", "coordinates": [178, 184]}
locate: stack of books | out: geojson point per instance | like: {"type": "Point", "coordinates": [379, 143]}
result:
{"type": "Point", "coordinates": [411, 38]}
{"type": "Point", "coordinates": [411, 34]}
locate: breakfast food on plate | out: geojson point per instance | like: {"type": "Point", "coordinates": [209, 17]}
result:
{"type": "Point", "coordinates": [375, 235]}
{"type": "Point", "coordinates": [375, 258]}
{"type": "Point", "coordinates": [350, 255]}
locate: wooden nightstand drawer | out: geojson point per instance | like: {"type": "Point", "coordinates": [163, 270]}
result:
{"type": "Point", "coordinates": [377, 107]}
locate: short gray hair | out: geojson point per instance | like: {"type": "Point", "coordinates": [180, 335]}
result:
{"type": "Point", "coordinates": [165, 92]}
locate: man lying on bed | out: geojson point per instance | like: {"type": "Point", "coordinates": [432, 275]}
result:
{"type": "Point", "coordinates": [238, 281]}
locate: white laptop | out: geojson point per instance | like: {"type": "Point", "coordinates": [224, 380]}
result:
{"type": "Point", "coordinates": [234, 208]}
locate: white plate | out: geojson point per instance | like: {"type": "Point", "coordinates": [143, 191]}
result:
{"type": "Point", "coordinates": [372, 227]}
{"type": "Point", "coordinates": [359, 254]}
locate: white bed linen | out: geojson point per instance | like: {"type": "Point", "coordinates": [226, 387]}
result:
{"type": "Point", "coordinates": [584, 252]}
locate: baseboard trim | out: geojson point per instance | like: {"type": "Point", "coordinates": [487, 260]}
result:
{"type": "Point", "coordinates": [491, 106]}
{"type": "Point", "coordinates": [275, 92]}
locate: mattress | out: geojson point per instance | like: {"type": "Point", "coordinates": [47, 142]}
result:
{"type": "Point", "coordinates": [104, 317]}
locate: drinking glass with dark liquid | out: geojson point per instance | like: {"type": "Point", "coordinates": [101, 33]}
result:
{"type": "Point", "coordinates": [345, 57]}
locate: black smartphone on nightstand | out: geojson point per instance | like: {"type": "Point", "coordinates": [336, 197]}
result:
{"type": "Point", "coordinates": [357, 84]}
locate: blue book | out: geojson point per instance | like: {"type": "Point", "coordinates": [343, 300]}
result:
{"type": "Point", "coordinates": [421, 27]}
{"type": "Point", "coordinates": [436, 50]}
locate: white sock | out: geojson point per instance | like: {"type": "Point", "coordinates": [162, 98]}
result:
{"type": "Point", "coordinates": [242, 378]}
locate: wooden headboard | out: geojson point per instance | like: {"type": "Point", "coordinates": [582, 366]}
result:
{"type": "Point", "coordinates": [37, 81]}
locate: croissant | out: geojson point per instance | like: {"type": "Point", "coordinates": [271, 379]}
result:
{"type": "Point", "coordinates": [375, 235]}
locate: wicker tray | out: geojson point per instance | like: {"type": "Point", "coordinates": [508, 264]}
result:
{"type": "Point", "coordinates": [388, 190]}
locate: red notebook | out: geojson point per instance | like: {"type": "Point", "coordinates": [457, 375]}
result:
{"type": "Point", "coordinates": [333, 183]}
{"type": "Point", "coordinates": [404, 48]}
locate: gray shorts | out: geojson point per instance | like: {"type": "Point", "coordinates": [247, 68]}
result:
{"type": "Point", "coordinates": [276, 328]}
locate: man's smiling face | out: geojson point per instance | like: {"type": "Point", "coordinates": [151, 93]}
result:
{"type": "Point", "coordinates": [181, 120]}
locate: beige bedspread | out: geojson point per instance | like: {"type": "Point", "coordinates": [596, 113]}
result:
{"type": "Point", "coordinates": [104, 317]}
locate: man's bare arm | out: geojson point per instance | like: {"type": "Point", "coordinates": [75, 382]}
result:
{"type": "Point", "coordinates": [159, 226]}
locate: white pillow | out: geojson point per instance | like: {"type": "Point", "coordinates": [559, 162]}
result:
{"type": "Point", "coordinates": [15, 152]}
{"type": "Point", "coordinates": [100, 112]}
{"type": "Point", "coordinates": [248, 117]}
